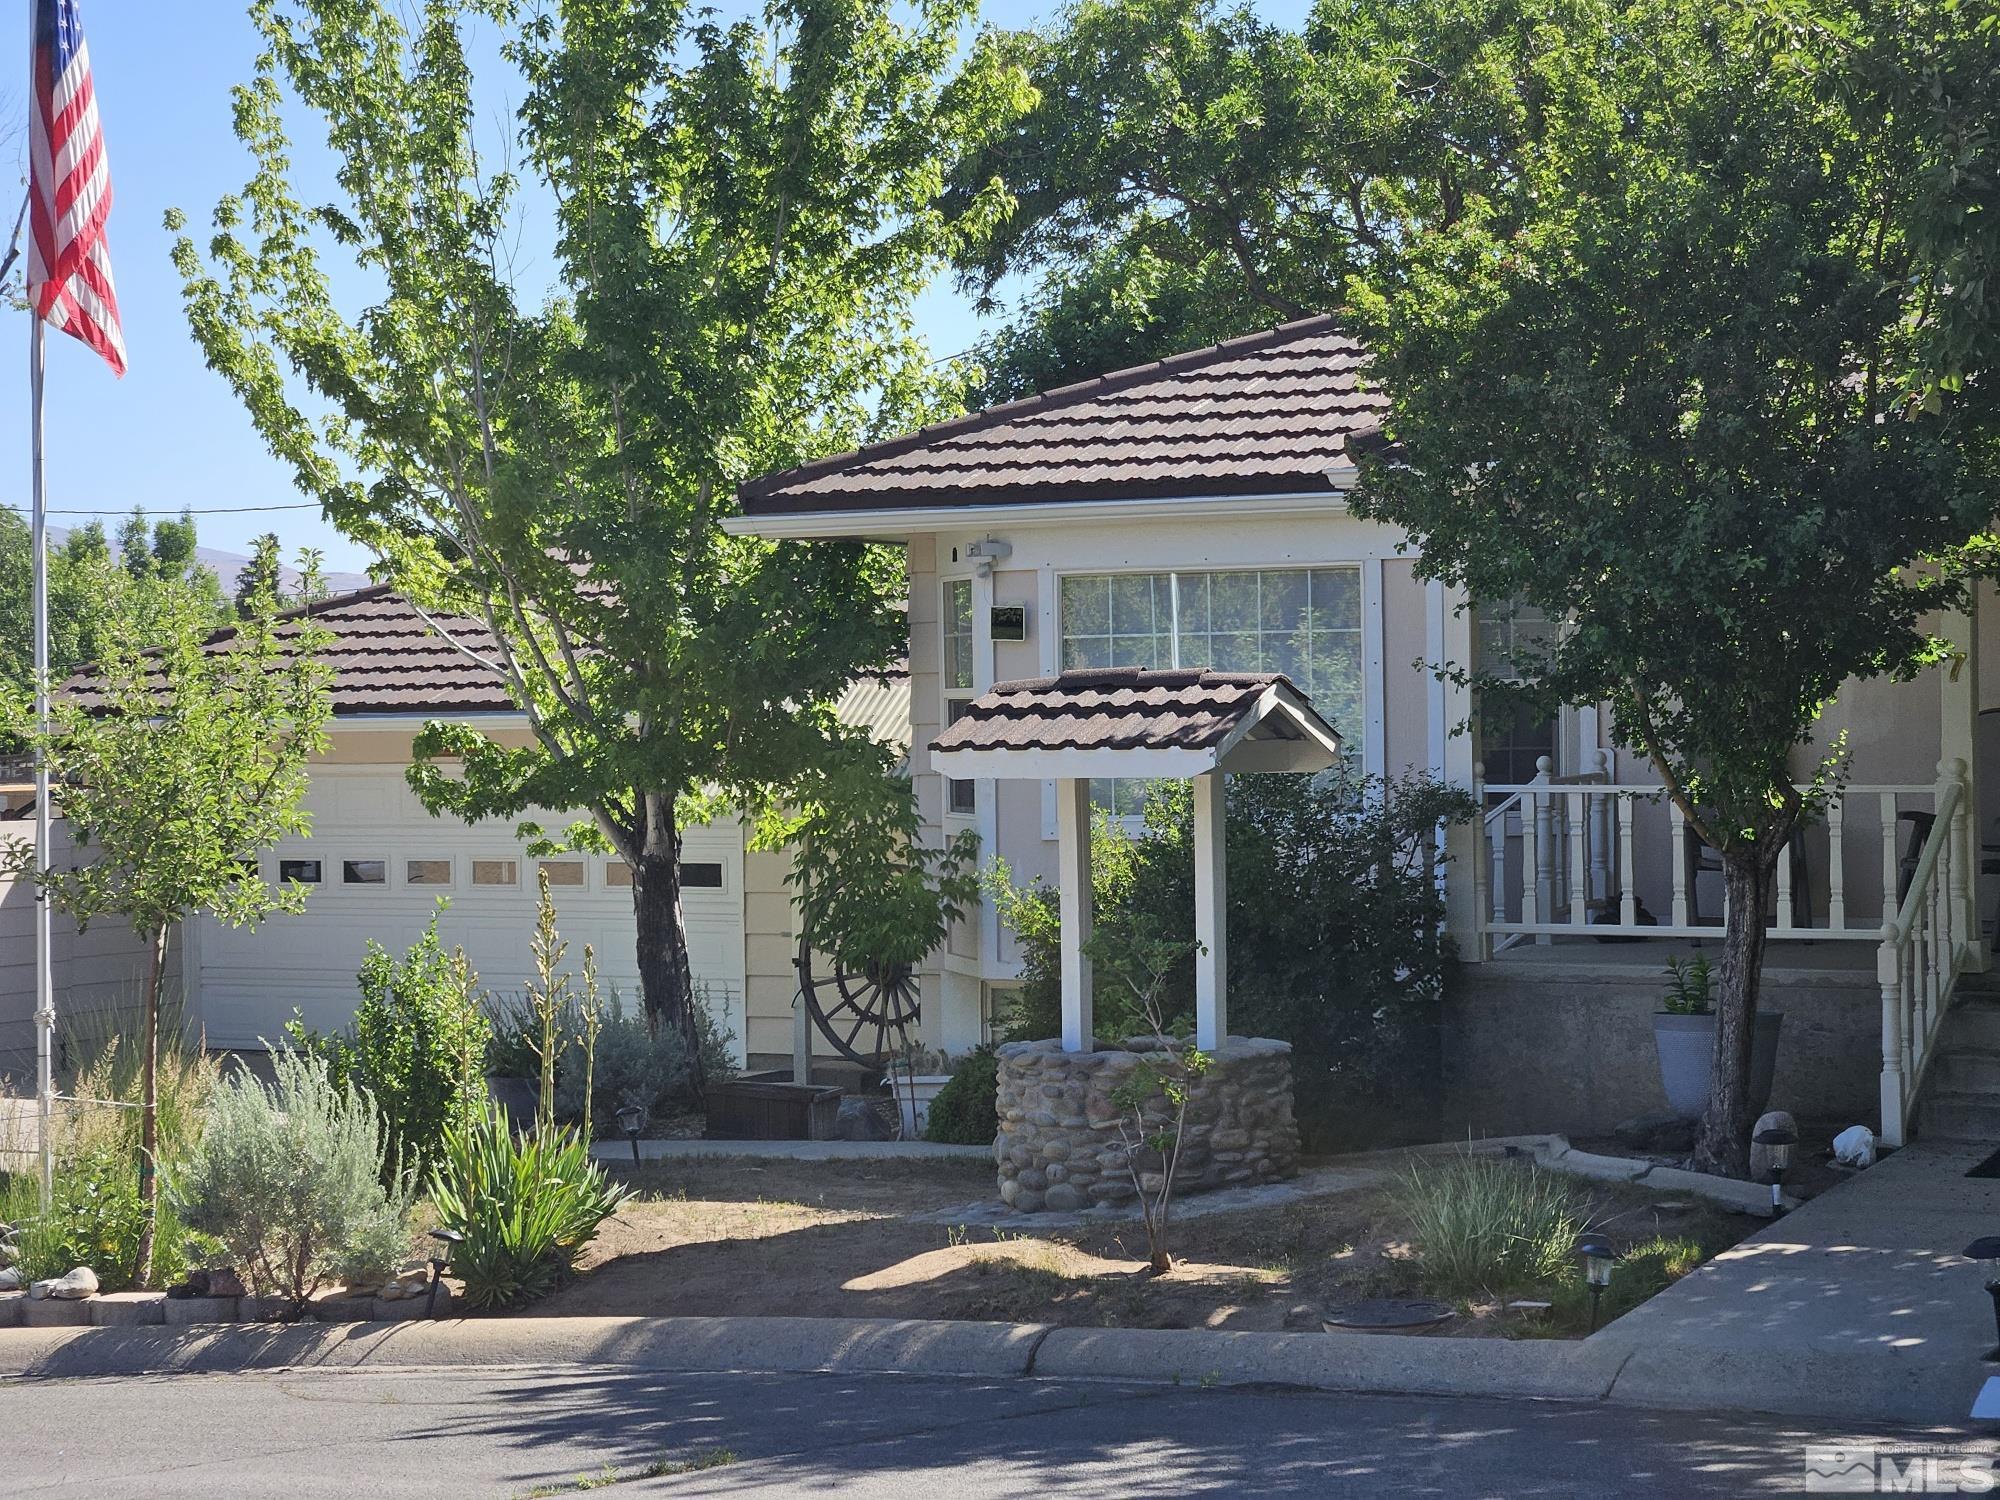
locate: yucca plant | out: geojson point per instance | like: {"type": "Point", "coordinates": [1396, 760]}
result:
{"type": "Point", "coordinates": [527, 1205]}
{"type": "Point", "coordinates": [1482, 1224]}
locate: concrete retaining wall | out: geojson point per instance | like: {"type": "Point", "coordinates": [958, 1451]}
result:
{"type": "Point", "coordinates": [1060, 1147]}
{"type": "Point", "coordinates": [1539, 1046]}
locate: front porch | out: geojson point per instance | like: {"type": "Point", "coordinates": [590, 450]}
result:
{"type": "Point", "coordinates": [1582, 888]}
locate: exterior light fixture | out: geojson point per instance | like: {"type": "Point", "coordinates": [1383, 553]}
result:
{"type": "Point", "coordinates": [448, 1241]}
{"type": "Point", "coordinates": [632, 1120]}
{"type": "Point", "coordinates": [1599, 1260]}
{"type": "Point", "coordinates": [1986, 1251]}
{"type": "Point", "coordinates": [1778, 1140]}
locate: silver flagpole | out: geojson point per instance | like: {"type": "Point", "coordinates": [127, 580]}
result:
{"type": "Point", "coordinates": [45, 990]}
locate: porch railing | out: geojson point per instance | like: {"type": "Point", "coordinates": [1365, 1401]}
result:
{"type": "Point", "coordinates": [1922, 953]}
{"type": "Point", "coordinates": [1587, 857]}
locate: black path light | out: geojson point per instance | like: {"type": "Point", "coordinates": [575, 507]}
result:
{"type": "Point", "coordinates": [448, 1241]}
{"type": "Point", "coordinates": [1599, 1259]}
{"type": "Point", "coordinates": [1778, 1140]}
{"type": "Point", "coordinates": [632, 1120]}
{"type": "Point", "coordinates": [1986, 1250]}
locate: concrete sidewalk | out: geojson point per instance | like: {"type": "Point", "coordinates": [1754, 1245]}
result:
{"type": "Point", "coordinates": [1857, 1302]}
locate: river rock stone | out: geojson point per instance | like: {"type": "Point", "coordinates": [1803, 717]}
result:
{"type": "Point", "coordinates": [76, 1283]}
{"type": "Point", "coordinates": [1239, 1125]}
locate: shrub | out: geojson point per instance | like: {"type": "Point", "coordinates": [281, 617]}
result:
{"type": "Point", "coordinates": [632, 1066]}
{"type": "Point", "coordinates": [966, 1110]}
{"type": "Point", "coordinates": [418, 1046]}
{"type": "Point", "coordinates": [93, 1220]}
{"type": "Point", "coordinates": [289, 1179]}
{"type": "Point", "coordinates": [526, 1205]}
{"type": "Point", "coordinates": [1484, 1224]}
{"type": "Point", "coordinates": [108, 1071]}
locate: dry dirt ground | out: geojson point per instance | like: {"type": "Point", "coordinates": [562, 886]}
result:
{"type": "Point", "coordinates": [816, 1239]}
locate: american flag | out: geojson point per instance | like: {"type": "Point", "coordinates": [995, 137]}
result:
{"type": "Point", "coordinates": [69, 261]}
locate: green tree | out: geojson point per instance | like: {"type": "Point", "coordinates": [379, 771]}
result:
{"type": "Point", "coordinates": [1654, 379]}
{"type": "Point", "coordinates": [1190, 171]}
{"type": "Point", "coordinates": [263, 575]}
{"type": "Point", "coordinates": [175, 769]}
{"type": "Point", "coordinates": [743, 212]}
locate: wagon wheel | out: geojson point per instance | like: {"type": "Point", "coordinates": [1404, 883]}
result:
{"type": "Point", "coordinates": [878, 1003]}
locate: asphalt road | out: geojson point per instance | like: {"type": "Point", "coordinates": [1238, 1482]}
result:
{"type": "Point", "coordinates": [509, 1433]}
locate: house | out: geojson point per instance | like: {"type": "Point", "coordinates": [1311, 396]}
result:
{"type": "Point", "coordinates": [376, 864]}
{"type": "Point", "coordinates": [1192, 513]}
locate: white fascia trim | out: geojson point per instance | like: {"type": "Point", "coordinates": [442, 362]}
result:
{"type": "Point", "coordinates": [898, 521]}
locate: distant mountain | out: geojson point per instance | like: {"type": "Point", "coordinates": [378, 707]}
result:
{"type": "Point", "coordinates": [228, 566]}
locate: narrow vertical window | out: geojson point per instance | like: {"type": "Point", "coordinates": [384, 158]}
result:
{"type": "Point", "coordinates": [957, 673]}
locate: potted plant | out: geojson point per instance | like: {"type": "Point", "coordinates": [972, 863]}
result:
{"type": "Point", "coordinates": [1684, 1038]}
{"type": "Point", "coordinates": [916, 1077]}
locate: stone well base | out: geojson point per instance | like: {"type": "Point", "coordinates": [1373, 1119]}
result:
{"type": "Point", "coordinates": [1060, 1148]}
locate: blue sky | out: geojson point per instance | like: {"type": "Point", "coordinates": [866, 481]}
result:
{"type": "Point", "coordinates": [170, 434]}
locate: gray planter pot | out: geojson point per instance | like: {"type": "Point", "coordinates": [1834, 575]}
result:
{"type": "Point", "coordinates": [1686, 1045]}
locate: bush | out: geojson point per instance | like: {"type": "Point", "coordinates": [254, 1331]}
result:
{"type": "Point", "coordinates": [1484, 1224]}
{"type": "Point", "coordinates": [526, 1205]}
{"type": "Point", "coordinates": [1643, 1269]}
{"type": "Point", "coordinates": [289, 1179]}
{"type": "Point", "coordinates": [1335, 937]}
{"type": "Point", "coordinates": [93, 1220]}
{"type": "Point", "coordinates": [418, 1046]}
{"type": "Point", "coordinates": [966, 1110]}
{"type": "Point", "coordinates": [108, 1071]}
{"type": "Point", "coordinates": [632, 1067]}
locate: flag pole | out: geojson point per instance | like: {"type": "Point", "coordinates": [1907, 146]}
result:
{"type": "Point", "coordinates": [45, 993]}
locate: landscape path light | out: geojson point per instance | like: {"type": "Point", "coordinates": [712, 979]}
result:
{"type": "Point", "coordinates": [632, 1120]}
{"type": "Point", "coordinates": [1599, 1260]}
{"type": "Point", "coordinates": [448, 1241]}
{"type": "Point", "coordinates": [1778, 1140]}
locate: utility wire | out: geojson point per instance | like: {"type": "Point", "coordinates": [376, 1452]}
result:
{"type": "Point", "coordinates": [169, 514]}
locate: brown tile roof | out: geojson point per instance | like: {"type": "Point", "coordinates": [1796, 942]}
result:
{"type": "Point", "coordinates": [386, 658]}
{"type": "Point", "coordinates": [1109, 708]}
{"type": "Point", "coordinates": [1269, 413]}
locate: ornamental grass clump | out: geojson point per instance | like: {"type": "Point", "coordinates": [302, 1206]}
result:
{"type": "Point", "coordinates": [1481, 1224]}
{"type": "Point", "coordinates": [526, 1205]}
{"type": "Point", "coordinates": [289, 1177]}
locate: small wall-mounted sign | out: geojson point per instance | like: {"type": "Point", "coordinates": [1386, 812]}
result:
{"type": "Point", "coordinates": [1010, 622]}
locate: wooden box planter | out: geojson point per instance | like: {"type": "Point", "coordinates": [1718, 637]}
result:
{"type": "Point", "coordinates": [770, 1107]}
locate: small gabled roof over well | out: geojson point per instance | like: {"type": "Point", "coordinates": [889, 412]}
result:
{"type": "Point", "coordinates": [1267, 414]}
{"type": "Point", "coordinates": [1131, 721]}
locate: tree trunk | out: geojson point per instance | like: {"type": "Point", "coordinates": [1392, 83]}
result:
{"type": "Point", "coordinates": [1749, 877]}
{"type": "Point", "coordinates": [149, 1111]}
{"type": "Point", "coordinates": [666, 982]}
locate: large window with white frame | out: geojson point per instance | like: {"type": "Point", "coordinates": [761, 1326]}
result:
{"type": "Point", "coordinates": [1304, 622]}
{"type": "Point", "coordinates": [957, 674]}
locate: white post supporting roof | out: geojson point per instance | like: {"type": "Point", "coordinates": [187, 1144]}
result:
{"type": "Point", "coordinates": [1079, 1009]}
{"type": "Point", "coordinates": [1211, 906]}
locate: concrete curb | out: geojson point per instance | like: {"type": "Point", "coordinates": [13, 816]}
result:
{"type": "Point", "coordinates": [1880, 1385]}
{"type": "Point", "coordinates": [611, 1153]}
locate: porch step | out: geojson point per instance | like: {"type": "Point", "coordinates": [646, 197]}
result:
{"type": "Point", "coordinates": [1950, 1115]}
{"type": "Point", "coordinates": [1972, 1024]}
{"type": "Point", "coordinates": [1967, 1070]}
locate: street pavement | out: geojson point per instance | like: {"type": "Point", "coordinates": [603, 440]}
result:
{"type": "Point", "coordinates": [353, 1433]}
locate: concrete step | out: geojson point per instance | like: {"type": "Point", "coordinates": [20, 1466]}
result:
{"type": "Point", "coordinates": [1967, 1070]}
{"type": "Point", "coordinates": [1948, 1115]}
{"type": "Point", "coordinates": [1972, 1024]}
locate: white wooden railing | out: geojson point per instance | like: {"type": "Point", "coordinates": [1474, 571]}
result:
{"type": "Point", "coordinates": [1562, 858]}
{"type": "Point", "coordinates": [1923, 951]}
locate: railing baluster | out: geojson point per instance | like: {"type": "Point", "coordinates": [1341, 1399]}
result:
{"type": "Point", "coordinates": [1888, 802]}
{"type": "Point", "coordinates": [1889, 979]}
{"type": "Point", "coordinates": [1785, 921]}
{"type": "Point", "coordinates": [1578, 805]}
{"type": "Point", "coordinates": [1836, 873]}
{"type": "Point", "coordinates": [1531, 857]}
{"type": "Point", "coordinates": [1628, 896]}
{"type": "Point", "coordinates": [1678, 861]}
